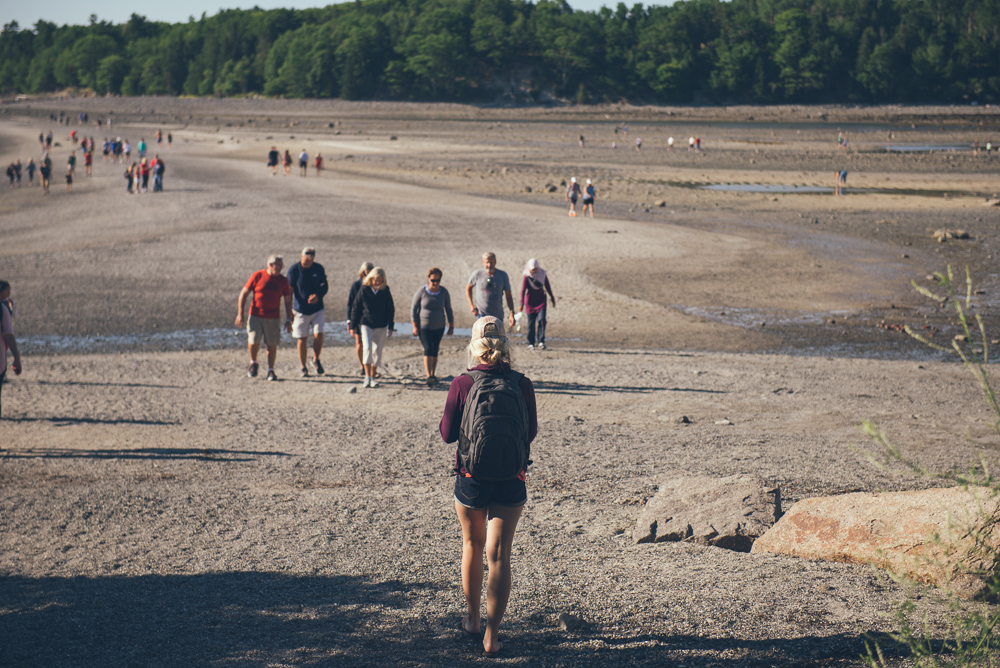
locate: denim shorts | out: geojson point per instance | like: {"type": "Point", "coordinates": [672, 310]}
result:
{"type": "Point", "coordinates": [479, 494]}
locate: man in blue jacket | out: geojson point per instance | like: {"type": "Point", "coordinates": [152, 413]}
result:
{"type": "Point", "coordinates": [308, 281]}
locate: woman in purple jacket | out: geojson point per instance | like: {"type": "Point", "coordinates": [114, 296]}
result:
{"type": "Point", "coordinates": [488, 510]}
{"type": "Point", "coordinates": [534, 285]}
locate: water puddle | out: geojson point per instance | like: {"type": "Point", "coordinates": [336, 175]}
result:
{"type": "Point", "coordinates": [823, 190]}
{"type": "Point", "coordinates": [196, 339]}
{"type": "Point", "coordinates": [925, 148]}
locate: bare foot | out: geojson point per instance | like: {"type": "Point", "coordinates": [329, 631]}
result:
{"type": "Point", "coordinates": [468, 628]}
{"type": "Point", "coordinates": [492, 648]}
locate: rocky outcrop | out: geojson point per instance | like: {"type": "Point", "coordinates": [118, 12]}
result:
{"type": "Point", "coordinates": [924, 535]}
{"type": "Point", "coordinates": [726, 512]}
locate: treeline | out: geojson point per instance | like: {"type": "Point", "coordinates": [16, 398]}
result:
{"type": "Point", "coordinates": [760, 51]}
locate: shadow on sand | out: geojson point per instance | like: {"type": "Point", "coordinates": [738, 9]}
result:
{"type": "Point", "coordinates": [549, 387]}
{"type": "Point", "coordinates": [208, 455]}
{"type": "Point", "coordinates": [267, 619]}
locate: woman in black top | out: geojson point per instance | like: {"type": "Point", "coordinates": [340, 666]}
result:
{"type": "Point", "coordinates": [355, 289]}
{"type": "Point", "coordinates": [372, 313]}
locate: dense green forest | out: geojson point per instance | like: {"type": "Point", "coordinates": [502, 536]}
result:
{"type": "Point", "coordinates": [761, 51]}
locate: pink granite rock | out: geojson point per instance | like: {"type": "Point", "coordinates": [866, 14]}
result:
{"type": "Point", "coordinates": [892, 530]}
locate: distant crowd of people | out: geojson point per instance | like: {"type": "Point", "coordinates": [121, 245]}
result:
{"type": "Point", "coordinates": [115, 150]}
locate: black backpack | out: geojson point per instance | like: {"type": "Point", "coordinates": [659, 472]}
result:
{"type": "Point", "coordinates": [493, 439]}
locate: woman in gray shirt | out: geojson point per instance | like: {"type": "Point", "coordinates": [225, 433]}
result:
{"type": "Point", "coordinates": [430, 311]}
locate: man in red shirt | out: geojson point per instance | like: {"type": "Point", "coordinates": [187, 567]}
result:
{"type": "Point", "coordinates": [268, 287]}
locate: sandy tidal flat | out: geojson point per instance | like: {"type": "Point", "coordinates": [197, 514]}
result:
{"type": "Point", "coordinates": [159, 507]}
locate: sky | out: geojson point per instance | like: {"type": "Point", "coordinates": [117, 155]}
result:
{"type": "Point", "coordinates": [175, 11]}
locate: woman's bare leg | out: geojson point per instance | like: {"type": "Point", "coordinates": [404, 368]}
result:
{"type": "Point", "coordinates": [473, 542]}
{"type": "Point", "coordinates": [499, 542]}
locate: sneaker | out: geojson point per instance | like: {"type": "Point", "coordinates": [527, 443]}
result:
{"type": "Point", "coordinates": [367, 380]}
{"type": "Point", "coordinates": [252, 370]}
{"type": "Point", "coordinates": [430, 381]}
{"type": "Point", "coordinates": [304, 372]}
{"type": "Point", "coordinates": [531, 347]}
{"type": "Point", "coordinates": [542, 346]}
{"type": "Point", "coordinates": [271, 375]}
{"type": "Point", "coordinates": [319, 367]}
{"type": "Point", "coordinates": [372, 382]}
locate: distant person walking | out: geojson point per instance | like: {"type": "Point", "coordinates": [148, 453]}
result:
{"type": "Point", "coordinates": [267, 286]}
{"type": "Point", "coordinates": [287, 162]}
{"type": "Point", "coordinates": [491, 413]}
{"type": "Point", "coordinates": [588, 198]}
{"type": "Point", "coordinates": [638, 144]}
{"type": "Point", "coordinates": [7, 340]}
{"type": "Point", "coordinates": [128, 178]}
{"type": "Point", "coordinates": [170, 140]}
{"type": "Point", "coordinates": [690, 144]}
{"type": "Point", "coordinates": [272, 160]}
{"type": "Point", "coordinates": [303, 162]}
{"type": "Point", "coordinates": [429, 312]}
{"type": "Point", "coordinates": [841, 177]}
{"type": "Point", "coordinates": [158, 169]}
{"type": "Point", "coordinates": [373, 315]}
{"type": "Point", "coordinates": [572, 194]}
{"type": "Point", "coordinates": [30, 169]}
{"type": "Point", "coordinates": [159, 139]}
{"type": "Point", "coordinates": [142, 148]}
{"type": "Point", "coordinates": [45, 173]}
{"type": "Point", "coordinates": [71, 162]}
{"type": "Point", "coordinates": [670, 143]}
{"type": "Point", "coordinates": [69, 180]}
{"type": "Point", "coordinates": [581, 141]}
{"type": "Point", "coordinates": [356, 286]}
{"type": "Point", "coordinates": [487, 288]}
{"type": "Point", "coordinates": [308, 282]}
{"type": "Point", "coordinates": [534, 285]}
{"type": "Point", "coordinates": [318, 164]}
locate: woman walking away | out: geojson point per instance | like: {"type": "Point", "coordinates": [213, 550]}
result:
{"type": "Point", "coordinates": [431, 308]}
{"type": "Point", "coordinates": [373, 314]}
{"type": "Point", "coordinates": [534, 285]}
{"type": "Point", "coordinates": [7, 340]}
{"type": "Point", "coordinates": [490, 411]}
{"type": "Point", "coordinates": [355, 334]}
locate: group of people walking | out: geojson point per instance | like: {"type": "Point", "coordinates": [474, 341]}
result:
{"type": "Point", "coordinates": [574, 192]}
{"type": "Point", "coordinates": [371, 311]}
{"type": "Point", "coordinates": [274, 158]}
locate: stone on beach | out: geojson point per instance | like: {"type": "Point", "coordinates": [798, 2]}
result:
{"type": "Point", "coordinates": [891, 530]}
{"type": "Point", "coordinates": [728, 512]}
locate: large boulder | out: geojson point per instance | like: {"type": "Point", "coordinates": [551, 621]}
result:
{"type": "Point", "coordinates": [726, 512]}
{"type": "Point", "coordinates": [924, 535]}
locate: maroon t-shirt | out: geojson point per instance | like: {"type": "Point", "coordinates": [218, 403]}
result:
{"type": "Point", "coordinates": [458, 392]}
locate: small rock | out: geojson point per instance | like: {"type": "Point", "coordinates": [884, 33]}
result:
{"type": "Point", "coordinates": [723, 422]}
{"type": "Point", "coordinates": [550, 188]}
{"type": "Point", "coordinates": [568, 622]}
{"type": "Point", "coordinates": [441, 169]}
{"type": "Point", "coordinates": [684, 419]}
{"type": "Point", "coordinates": [659, 203]}
{"type": "Point", "coordinates": [960, 338]}
{"type": "Point", "coordinates": [352, 390]}
{"type": "Point", "coordinates": [905, 256]}
{"type": "Point", "coordinates": [527, 189]}
{"type": "Point", "coordinates": [392, 137]}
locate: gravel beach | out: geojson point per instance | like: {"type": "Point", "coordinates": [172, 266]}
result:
{"type": "Point", "coordinates": [158, 507]}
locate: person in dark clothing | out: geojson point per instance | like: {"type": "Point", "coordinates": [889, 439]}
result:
{"type": "Point", "coordinates": [372, 314]}
{"type": "Point", "coordinates": [356, 335]}
{"type": "Point", "coordinates": [488, 510]}
{"type": "Point", "coordinates": [308, 280]}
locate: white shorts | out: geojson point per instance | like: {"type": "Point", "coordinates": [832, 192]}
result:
{"type": "Point", "coordinates": [301, 324]}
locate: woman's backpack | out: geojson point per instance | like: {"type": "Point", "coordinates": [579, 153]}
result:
{"type": "Point", "coordinates": [493, 439]}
